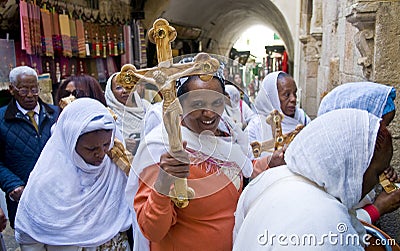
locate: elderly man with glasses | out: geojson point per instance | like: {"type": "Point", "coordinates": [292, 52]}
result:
{"type": "Point", "coordinates": [24, 130]}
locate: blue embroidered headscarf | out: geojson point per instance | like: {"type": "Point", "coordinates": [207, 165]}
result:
{"type": "Point", "coordinates": [375, 98]}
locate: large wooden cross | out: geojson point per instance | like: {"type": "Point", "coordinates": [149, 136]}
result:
{"type": "Point", "coordinates": [163, 77]}
{"type": "Point", "coordinates": [279, 140]}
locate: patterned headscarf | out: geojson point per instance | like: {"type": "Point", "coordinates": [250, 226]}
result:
{"type": "Point", "coordinates": [375, 98]}
{"type": "Point", "coordinates": [181, 81]}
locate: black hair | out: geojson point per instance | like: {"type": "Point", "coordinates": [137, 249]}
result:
{"type": "Point", "coordinates": [184, 86]}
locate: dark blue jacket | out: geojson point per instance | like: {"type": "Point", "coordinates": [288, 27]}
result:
{"type": "Point", "coordinates": [20, 144]}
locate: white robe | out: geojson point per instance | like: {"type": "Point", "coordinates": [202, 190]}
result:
{"type": "Point", "coordinates": [316, 192]}
{"type": "Point", "coordinates": [66, 201]}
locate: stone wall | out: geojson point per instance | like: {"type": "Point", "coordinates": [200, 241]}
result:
{"type": "Point", "coordinates": [360, 41]}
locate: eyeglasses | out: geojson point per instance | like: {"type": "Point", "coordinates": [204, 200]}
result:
{"type": "Point", "coordinates": [76, 93]}
{"type": "Point", "coordinates": [25, 91]}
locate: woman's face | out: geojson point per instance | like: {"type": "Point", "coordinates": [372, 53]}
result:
{"type": "Point", "coordinates": [237, 79]}
{"type": "Point", "coordinates": [203, 105]}
{"type": "Point", "coordinates": [70, 89]}
{"type": "Point", "coordinates": [287, 92]}
{"type": "Point", "coordinates": [380, 160]}
{"type": "Point", "coordinates": [93, 146]}
{"type": "Point", "coordinates": [119, 92]}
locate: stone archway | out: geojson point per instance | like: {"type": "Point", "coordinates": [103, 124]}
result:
{"type": "Point", "coordinates": [223, 21]}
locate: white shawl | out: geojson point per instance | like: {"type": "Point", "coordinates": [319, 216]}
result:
{"type": "Point", "coordinates": [67, 201]}
{"type": "Point", "coordinates": [323, 170]}
{"type": "Point", "coordinates": [266, 101]}
{"type": "Point", "coordinates": [129, 119]}
{"type": "Point", "coordinates": [238, 111]}
{"type": "Point", "coordinates": [368, 96]}
{"type": "Point", "coordinates": [227, 149]}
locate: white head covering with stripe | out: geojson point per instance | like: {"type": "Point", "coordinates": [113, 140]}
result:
{"type": "Point", "coordinates": [268, 100]}
{"type": "Point", "coordinates": [67, 201]}
{"type": "Point", "coordinates": [129, 119]}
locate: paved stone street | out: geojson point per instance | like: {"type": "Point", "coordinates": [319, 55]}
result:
{"type": "Point", "coordinates": [8, 235]}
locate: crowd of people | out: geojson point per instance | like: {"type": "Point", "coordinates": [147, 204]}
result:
{"type": "Point", "coordinates": [98, 170]}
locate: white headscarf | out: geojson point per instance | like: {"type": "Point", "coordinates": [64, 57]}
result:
{"type": "Point", "coordinates": [368, 96]}
{"type": "Point", "coordinates": [234, 110]}
{"type": "Point", "coordinates": [234, 95]}
{"type": "Point", "coordinates": [334, 152]}
{"type": "Point", "coordinates": [268, 100]}
{"type": "Point", "coordinates": [325, 164]}
{"type": "Point", "coordinates": [67, 201]}
{"type": "Point", "coordinates": [129, 119]}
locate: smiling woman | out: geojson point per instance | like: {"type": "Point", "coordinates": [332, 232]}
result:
{"type": "Point", "coordinates": [214, 163]}
{"type": "Point", "coordinates": [203, 108]}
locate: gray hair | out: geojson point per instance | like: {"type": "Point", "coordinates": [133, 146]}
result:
{"type": "Point", "coordinates": [21, 70]}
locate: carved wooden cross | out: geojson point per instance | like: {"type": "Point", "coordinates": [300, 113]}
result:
{"type": "Point", "coordinates": [164, 76]}
{"type": "Point", "coordinates": [279, 139]}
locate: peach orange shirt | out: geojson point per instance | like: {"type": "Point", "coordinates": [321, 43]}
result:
{"type": "Point", "coordinates": [205, 224]}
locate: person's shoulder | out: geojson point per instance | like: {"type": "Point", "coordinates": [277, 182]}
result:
{"type": "Point", "coordinates": [51, 111]}
{"type": "Point", "coordinates": [3, 110]}
{"type": "Point", "coordinates": [50, 107]}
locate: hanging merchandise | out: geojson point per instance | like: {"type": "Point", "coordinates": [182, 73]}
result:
{"type": "Point", "coordinates": [36, 63]}
{"type": "Point", "coordinates": [101, 71]}
{"type": "Point", "coordinates": [110, 45]}
{"type": "Point", "coordinates": [7, 52]}
{"type": "Point", "coordinates": [74, 36]}
{"type": "Point", "coordinates": [65, 35]}
{"type": "Point", "coordinates": [57, 44]}
{"type": "Point", "coordinates": [61, 39]}
{"type": "Point", "coordinates": [121, 44]}
{"type": "Point", "coordinates": [47, 43]}
{"type": "Point", "coordinates": [111, 66]}
{"type": "Point", "coordinates": [65, 67]}
{"type": "Point", "coordinates": [127, 57]}
{"type": "Point", "coordinates": [34, 23]}
{"type": "Point", "coordinates": [25, 30]}
{"type": "Point", "coordinates": [88, 45]}
{"type": "Point", "coordinates": [285, 66]}
{"type": "Point", "coordinates": [97, 45]}
{"type": "Point", "coordinates": [142, 41]}
{"type": "Point", "coordinates": [104, 46]}
{"type": "Point", "coordinates": [115, 45]}
{"type": "Point", "coordinates": [80, 33]}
